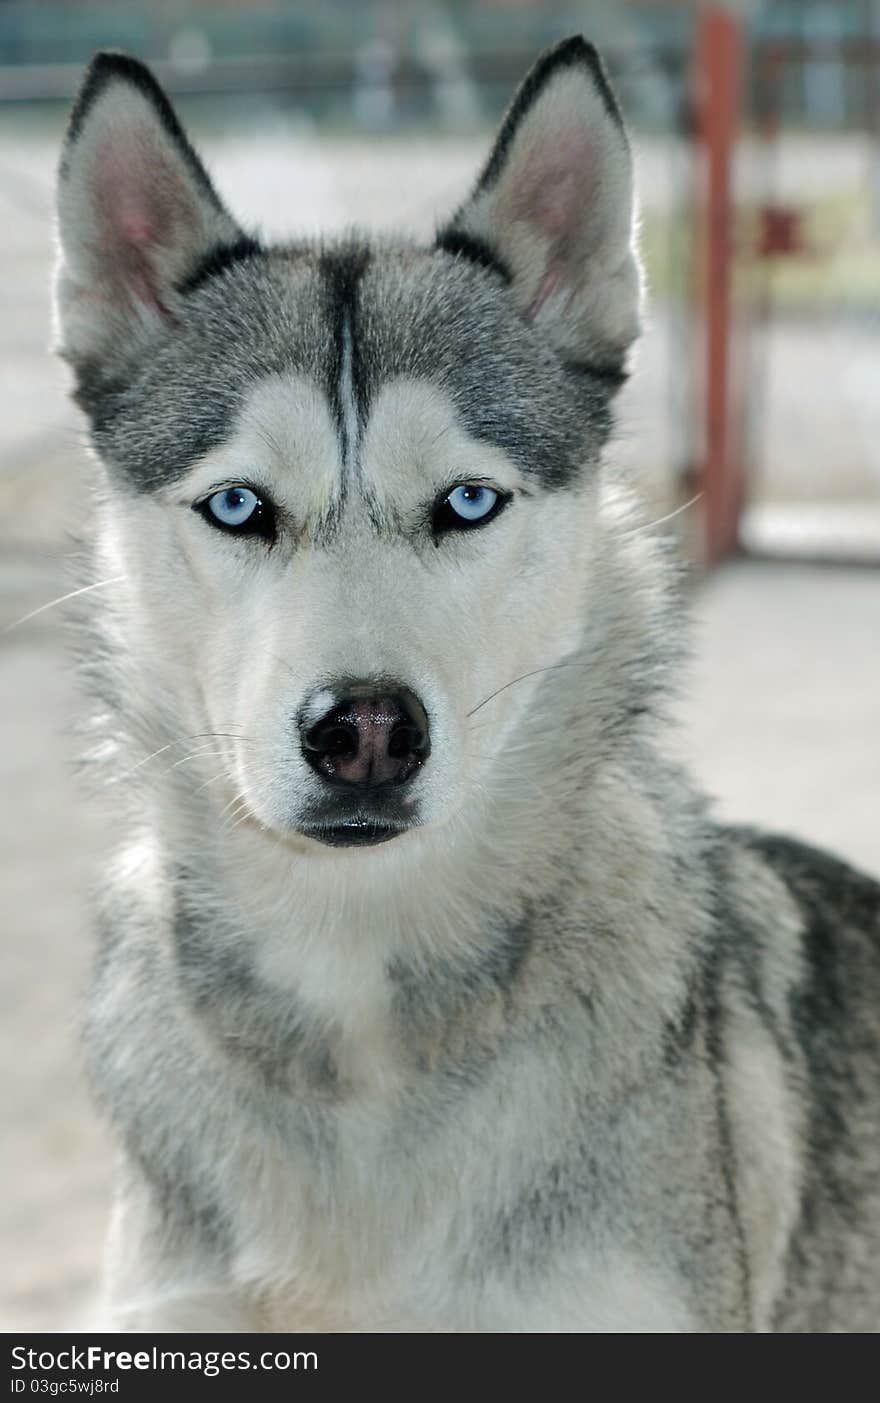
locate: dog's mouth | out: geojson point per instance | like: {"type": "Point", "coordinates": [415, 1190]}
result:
{"type": "Point", "coordinates": [384, 815]}
{"type": "Point", "coordinates": [356, 834]}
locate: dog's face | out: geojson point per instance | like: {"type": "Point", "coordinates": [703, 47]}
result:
{"type": "Point", "coordinates": [352, 487]}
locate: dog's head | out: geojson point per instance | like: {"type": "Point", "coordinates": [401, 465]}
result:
{"type": "Point", "coordinates": [352, 487]}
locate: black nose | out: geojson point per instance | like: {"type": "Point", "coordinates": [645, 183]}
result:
{"type": "Point", "coordinates": [368, 739]}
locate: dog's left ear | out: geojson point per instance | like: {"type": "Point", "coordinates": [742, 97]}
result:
{"type": "Point", "coordinates": [554, 207]}
{"type": "Point", "coordinates": [137, 215]}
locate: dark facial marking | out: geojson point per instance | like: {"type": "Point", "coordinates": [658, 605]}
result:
{"type": "Point", "coordinates": [342, 269]}
{"type": "Point", "coordinates": [459, 244]}
{"type": "Point", "coordinates": [613, 375]}
{"type": "Point", "coordinates": [177, 398]}
{"type": "Point", "coordinates": [445, 322]}
{"type": "Point", "coordinates": [217, 260]}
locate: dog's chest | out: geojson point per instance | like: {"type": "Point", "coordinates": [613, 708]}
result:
{"type": "Point", "coordinates": [389, 1239]}
{"type": "Point", "coordinates": [386, 1212]}
{"type": "Point", "coordinates": [338, 1217]}
{"type": "Point", "coordinates": [400, 1126]}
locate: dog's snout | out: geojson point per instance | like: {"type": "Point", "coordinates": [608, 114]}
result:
{"type": "Point", "coordinates": [369, 738]}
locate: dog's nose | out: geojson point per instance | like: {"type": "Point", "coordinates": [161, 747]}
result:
{"type": "Point", "coordinates": [368, 738]}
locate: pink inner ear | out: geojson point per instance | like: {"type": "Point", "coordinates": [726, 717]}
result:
{"type": "Point", "coordinates": [551, 194]}
{"type": "Point", "coordinates": [552, 189]}
{"type": "Point", "coordinates": [124, 192]}
{"type": "Point", "coordinates": [134, 227]}
{"type": "Point", "coordinates": [139, 203]}
{"type": "Point", "coordinates": [546, 289]}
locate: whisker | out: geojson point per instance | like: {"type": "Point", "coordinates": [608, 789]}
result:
{"type": "Point", "coordinates": [242, 817]}
{"type": "Point", "coordinates": [649, 526]}
{"type": "Point", "coordinates": [237, 817]}
{"type": "Point", "coordinates": [236, 799]}
{"type": "Point", "coordinates": [197, 755]}
{"type": "Point", "coordinates": [222, 774]}
{"type": "Point", "coordinates": [536, 672]}
{"type": "Point", "coordinates": [283, 661]}
{"type": "Point", "coordinates": [152, 755]}
{"type": "Point", "coordinates": [182, 740]}
{"type": "Point", "coordinates": [72, 594]}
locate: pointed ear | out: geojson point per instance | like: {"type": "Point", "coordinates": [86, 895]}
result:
{"type": "Point", "coordinates": [554, 206]}
{"type": "Point", "coordinates": [137, 214]}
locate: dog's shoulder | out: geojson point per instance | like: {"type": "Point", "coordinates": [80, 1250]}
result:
{"type": "Point", "coordinates": [827, 975]}
{"type": "Point", "coordinates": [839, 904]}
{"type": "Point", "coordinates": [834, 975]}
{"type": "Point", "coordinates": [803, 926]}
{"type": "Point", "coordinates": [796, 988]}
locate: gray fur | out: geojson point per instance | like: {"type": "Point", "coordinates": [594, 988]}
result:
{"type": "Point", "coordinates": [566, 1055]}
{"type": "Point", "coordinates": [417, 312]}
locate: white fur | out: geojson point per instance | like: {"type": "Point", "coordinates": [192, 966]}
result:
{"type": "Point", "coordinates": [524, 641]}
{"type": "Point", "coordinates": [325, 923]}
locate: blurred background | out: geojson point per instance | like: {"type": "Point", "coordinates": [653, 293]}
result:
{"type": "Point", "coordinates": [751, 422]}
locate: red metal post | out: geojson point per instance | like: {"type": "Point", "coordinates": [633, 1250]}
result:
{"type": "Point", "coordinates": [719, 45]}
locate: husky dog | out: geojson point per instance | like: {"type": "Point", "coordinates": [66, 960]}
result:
{"type": "Point", "coordinates": [429, 997]}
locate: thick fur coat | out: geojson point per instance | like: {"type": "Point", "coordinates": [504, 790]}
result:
{"type": "Point", "coordinates": [518, 1038]}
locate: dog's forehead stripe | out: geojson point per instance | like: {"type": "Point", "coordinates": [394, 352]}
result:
{"type": "Point", "coordinates": [351, 319]}
{"type": "Point", "coordinates": [342, 269]}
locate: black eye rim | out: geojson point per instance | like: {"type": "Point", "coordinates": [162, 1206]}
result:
{"type": "Point", "coordinates": [261, 522]}
{"type": "Point", "coordinates": [445, 519]}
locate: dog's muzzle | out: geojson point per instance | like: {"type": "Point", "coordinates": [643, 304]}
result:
{"type": "Point", "coordinates": [366, 747]}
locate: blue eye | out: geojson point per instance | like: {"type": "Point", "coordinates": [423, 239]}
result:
{"type": "Point", "coordinates": [234, 506]}
{"type": "Point", "coordinates": [467, 505]}
{"type": "Point", "coordinates": [239, 509]}
{"type": "Point", "coordinates": [472, 503]}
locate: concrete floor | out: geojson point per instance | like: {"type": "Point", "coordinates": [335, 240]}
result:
{"type": "Point", "coordinates": [781, 714]}
{"type": "Point", "coordinates": [780, 722]}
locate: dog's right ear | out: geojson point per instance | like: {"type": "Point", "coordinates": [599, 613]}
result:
{"type": "Point", "coordinates": [137, 214]}
{"type": "Point", "coordinates": [553, 209]}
